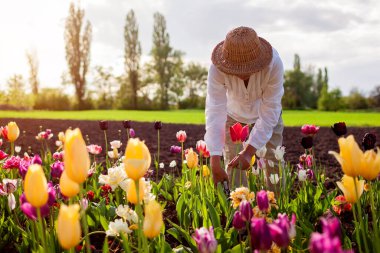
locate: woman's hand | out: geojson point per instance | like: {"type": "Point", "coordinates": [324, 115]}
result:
{"type": "Point", "coordinates": [218, 173]}
{"type": "Point", "coordinates": [243, 159]}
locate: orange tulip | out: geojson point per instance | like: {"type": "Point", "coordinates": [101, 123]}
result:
{"type": "Point", "coordinates": [191, 159]}
{"type": "Point", "coordinates": [68, 187]}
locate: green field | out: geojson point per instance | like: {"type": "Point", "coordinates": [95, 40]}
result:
{"type": "Point", "coordinates": [291, 118]}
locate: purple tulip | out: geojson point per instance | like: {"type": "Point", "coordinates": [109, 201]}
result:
{"type": "Point", "coordinates": [23, 167]}
{"type": "Point", "coordinates": [56, 169]}
{"type": "Point", "coordinates": [262, 200]}
{"type": "Point", "coordinates": [282, 230]}
{"type": "Point", "coordinates": [36, 160]}
{"type": "Point", "coordinates": [331, 227]}
{"type": "Point", "coordinates": [175, 149]}
{"type": "Point", "coordinates": [260, 234]}
{"type": "Point", "coordinates": [238, 221]}
{"type": "Point", "coordinates": [58, 156]}
{"type": "Point", "coordinates": [132, 133]}
{"type": "Point", "coordinates": [246, 210]}
{"type": "Point", "coordinates": [51, 194]}
{"type": "Point", "coordinates": [30, 211]}
{"type": "Point", "coordinates": [310, 174]}
{"type": "Point", "coordinates": [205, 240]}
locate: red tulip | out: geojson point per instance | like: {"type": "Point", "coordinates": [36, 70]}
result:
{"type": "Point", "coordinates": [201, 147]}
{"type": "Point", "coordinates": [239, 133]}
{"type": "Point", "coordinates": [181, 136]}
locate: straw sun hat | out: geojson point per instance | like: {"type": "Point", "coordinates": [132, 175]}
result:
{"type": "Point", "coordinates": [242, 52]}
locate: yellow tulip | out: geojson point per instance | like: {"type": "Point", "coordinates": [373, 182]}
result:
{"type": "Point", "coordinates": [347, 186]}
{"type": "Point", "coordinates": [13, 131]}
{"type": "Point", "coordinates": [253, 160]}
{"type": "Point", "coordinates": [191, 159]}
{"type": "Point", "coordinates": [350, 156]}
{"type": "Point", "coordinates": [68, 187]}
{"type": "Point", "coordinates": [153, 220]}
{"type": "Point", "coordinates": [131, 190]}
{"type": "Point", "coordinates": [205, 171]}
{"type": "Point", "coordinates": [35, 186]}
{"type": "Point", "coordinates": [370, 164]}
{"type": "Point", "coordinates": [68, 226]}
{"type": "Point", "coordinates": [76, 158]}
{"type": "Point", "coordinates": [61, 137]}
{"type": "Point", "coordinates": [137, 159]}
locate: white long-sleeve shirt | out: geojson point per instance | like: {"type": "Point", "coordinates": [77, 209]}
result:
{"type": "Point", "coordinates": [259, 103]}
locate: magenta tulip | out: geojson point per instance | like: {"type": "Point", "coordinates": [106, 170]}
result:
{"type": "Point", "coordinates": [260, 234]}
{"type": "Point", "coordinates": [262, 200]}
{"type": "Point", "coordinates": [239, 133]}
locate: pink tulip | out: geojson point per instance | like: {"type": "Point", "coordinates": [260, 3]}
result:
{"type": "Point", "coordinates": [205, 239]}
{"type": "Point", "coordinates": [239, 133]}
{"type": "Point", "coordinates": [309, 129]}
{"type": "Point", "coordinates": [94, 149]}
{"type": "Point", "coordinates": [181, 136]}
{"type": "Point", "coordinates": [3, 155]}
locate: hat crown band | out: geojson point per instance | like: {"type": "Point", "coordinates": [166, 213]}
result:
{"type": "Point", "coordinates": [241, 45]}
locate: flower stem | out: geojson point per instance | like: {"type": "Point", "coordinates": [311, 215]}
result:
{"type": "Point", "coordinates": [12, 148]}
{"type": "Point", "coordinates": [360, 216]}
{"type": "Point", "coordinates": [105, 139]}
{"type": "Point", "coordinates": [84, 223]}
{"type": "Point", "coordinates": [374, 220]}
{"type": "Point", "coordinates": [158, 153]}
{"type": "Point", "coordinates": [41, 230]}
{"type": "Point", "coordinates": [141, 238]}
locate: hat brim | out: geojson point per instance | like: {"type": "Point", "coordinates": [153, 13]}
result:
{"type": "Point", "coordinates": [247, 68]}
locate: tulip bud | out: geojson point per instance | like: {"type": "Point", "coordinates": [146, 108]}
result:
{"type": "Point", "coordinates": [262, 200]}
{"type": "Point", "coordinates": [351, 190]}
{"type": "Point", "coordinates": [76, 158]}
{"type": "Point", "coordinates": [238, 221]}
{"type": "Point", "coordinates": [260, 234]}
{"type": "Point", "coordinates": [205, 171]}
{"type": "Point", "coordinates": [13, 131]}
{"type": "Point", "coordinates": [369, 141]}
{"type": "Point", "coordinates": [132, 192]}
{"type": "Point", "coordinates": [127, 124]}
{"type": "Point", "coordinates": [205, 240]}
{"type": "Point", "coordinates": [137, 159]}
{"type": "Point", "coordinates": [132, 133]}
{"type": "Point", "coordinates": [307, 142]}
{"type": "Point", "coordinates": [153, 220]}
{"type": "Point", "coordinates": [175, 149]}
{"type": "Point", "coordinates": [246, 210]}
{"type": "Point", "coordinates": [331, 227]}
{"type": "Point", "coordinates": [181, 136]}
{"type": "Point", "coordinates": [157, 125]}
{"type": "Point", "coordinates": [35, 186]}
{"type": "Point", "coordinates": [339, 129]}
{"type": "Point", "coordinates": [103, 125]}
{"type": "Point", "coordinates": [192, 159]}
{"type": "Point", "coordinates": [36, 160]}
{"type": "Point", "coordinates": [68, 226]}
{"type": "Point", "coordinates": [68, 187]}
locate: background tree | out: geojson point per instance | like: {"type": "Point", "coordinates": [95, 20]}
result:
{"type": "Point", "coordinates": [33, 71]}
{"type": "Point", "coordinates": [356, 100]}
{"type": "Point", "coordinates": [374, 98]}
{"type": "Point", "coordinates": [16, 95]}
{"type": "Point", "coordinates": [195, 81]}
{"type": "Point", "coordinates": [132, 55]}
{"type": "Point", "coordinates": [104, 82]}
{"type": "Point", "coordinates": [297, 86]}
{"type": "Point", "coordinates": [166, 63]}
{"type": "Point", "coordinates": [78, 43]}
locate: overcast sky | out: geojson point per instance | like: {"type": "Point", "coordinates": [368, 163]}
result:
{"type": "Point", "coordinates": [343, 35]}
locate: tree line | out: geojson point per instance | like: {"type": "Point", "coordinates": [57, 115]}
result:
{"type": "Point", "coordinates": [164, 82]}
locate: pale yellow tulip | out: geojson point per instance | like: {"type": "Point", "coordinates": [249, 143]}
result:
{"type": "Point", "coordinates": [76, 158]}
{"type": "Point", "coordinates": [137, 159]}
{"type": "Point", "coordinates": [131, 190]}
{"type": "Point", "coordinates": [68, 226]}
{"type": "Point", "coordinates": [205, 171]}
{"type": "Point", "coordinates": [370, 164]}
{"type": "Point", "coordinates": [347, 186]}
{"type": "Point", "coordinates": [191, 159]}
{"type": "Point", "coordinates": [153, 220]}
{"type": "Point", "coordinates": [68, 187]}
{"type": "Point", "coordinates": [35, 186]}
{"type": "Point", "coordinates": [350, 156]}
{"type": "Point", "coordinates": [61, 137]}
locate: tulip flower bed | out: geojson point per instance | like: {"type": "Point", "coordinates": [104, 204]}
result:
{"type": "Point", "coordinates": [89, 189]}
